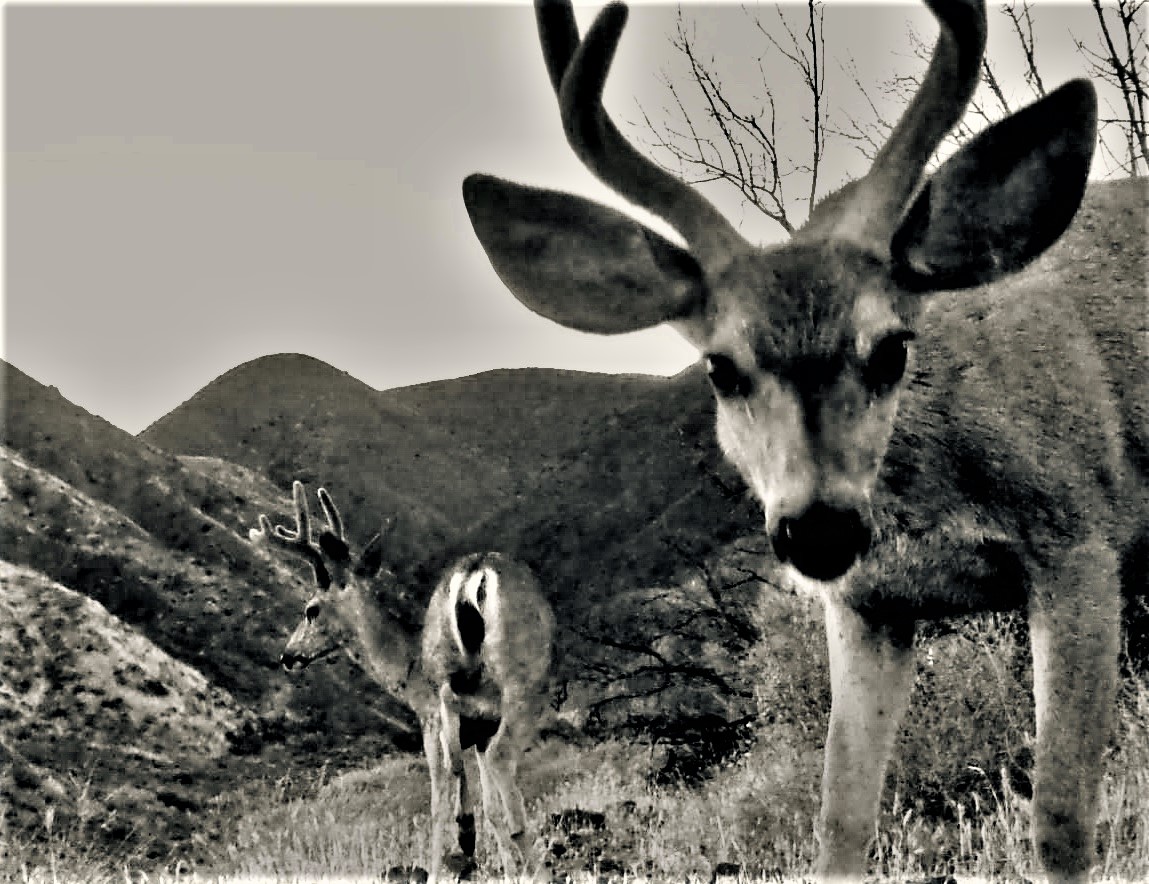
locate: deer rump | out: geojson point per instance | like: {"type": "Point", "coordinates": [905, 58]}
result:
{"type": "Point", "coordinates": [474, 610]}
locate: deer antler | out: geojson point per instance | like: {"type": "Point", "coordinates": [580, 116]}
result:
{"type": "Point", "coordinates": [299, 540]}
{"type": "Point", "coordinates": [871, 207]}
{"type": "Point", "coordinates": [334, 522]}
{"type": "Point", "coordinates": [578, 73]}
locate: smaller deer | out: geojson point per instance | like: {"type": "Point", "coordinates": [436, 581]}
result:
{"type": "Point", "coordinates": [476, 680]}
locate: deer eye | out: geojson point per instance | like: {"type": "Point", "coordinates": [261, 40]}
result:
{"type": "Point", "coordinates": [887, 363]}
{"type": "Point", "coordinates": [725, 377]}
{"type": "Point", "coordinates": [311, 612]}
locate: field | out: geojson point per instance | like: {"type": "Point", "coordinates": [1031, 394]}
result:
{"type": "Point", "coordinates": [602, 816]}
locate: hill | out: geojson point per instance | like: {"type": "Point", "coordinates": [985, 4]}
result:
{"type": "Point", "coordinates": [442, 455]}
{"type": "Point", "coordinates": [87, 699]}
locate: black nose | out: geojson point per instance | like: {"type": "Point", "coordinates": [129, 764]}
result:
{"type": "Point", "coordinates": [291, 662]}
{"type": "Point", "coordinates": [823, 542]}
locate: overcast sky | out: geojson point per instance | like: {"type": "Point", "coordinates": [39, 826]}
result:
{"type": "Point", "coordinates": [191, 187]}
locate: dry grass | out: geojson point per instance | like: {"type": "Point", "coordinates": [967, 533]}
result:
{"type": "Point", "coordinates": [755, 814]}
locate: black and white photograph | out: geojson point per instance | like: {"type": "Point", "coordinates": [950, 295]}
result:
{"type": "Point", "coordinates": [598, 443]}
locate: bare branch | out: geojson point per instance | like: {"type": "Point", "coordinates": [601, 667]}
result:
{"type": "Point", "coordinates": [744, 150]}
{"type": "Point", "coordinates": [1123, 67]}
{"type": "Point", "coordinates": [1023, 26]}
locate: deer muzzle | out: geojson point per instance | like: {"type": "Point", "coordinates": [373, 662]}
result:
{"type": "Point", "coordinates": [823, 542]}
{"type": "Point", "coordinates": [293, 662]}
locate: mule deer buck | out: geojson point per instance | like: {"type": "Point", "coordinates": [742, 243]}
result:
{"type": "Point", "coordinates": [476, 680]}
{"type": "Point", "coordinates": [918, 451]}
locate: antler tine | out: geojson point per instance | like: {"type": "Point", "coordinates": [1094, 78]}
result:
{"type": "Point", "coordinates": [334, 522]}
{"type": "Point", "coordinates": [299, 540]}
{"type": "Point", "coordinates": [558, 33]}
{"type": "Point", "coordinates": [874, 205]}
{"type": "Point", "coordinates": [578, 71]}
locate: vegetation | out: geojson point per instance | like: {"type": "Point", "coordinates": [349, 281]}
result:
{"type": "Point", "coordinates": [598, 809]}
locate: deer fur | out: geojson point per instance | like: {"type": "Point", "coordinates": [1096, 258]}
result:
{"type": "Point", "coordinates": [923, 444]}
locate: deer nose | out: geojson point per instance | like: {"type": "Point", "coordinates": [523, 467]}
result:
{"type": "Point", "coordinates": [823, 542]}
{"type": "Point", "coordinates": [291, 662]}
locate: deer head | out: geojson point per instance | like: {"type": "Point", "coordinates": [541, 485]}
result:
{"type": "Point", "coordinates": [807, 344]}
{"type": "Point", "coordinates": [332, 615]}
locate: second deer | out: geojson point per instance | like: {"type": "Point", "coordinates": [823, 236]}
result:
{"type": "Point", "coordinates": [476, 679]}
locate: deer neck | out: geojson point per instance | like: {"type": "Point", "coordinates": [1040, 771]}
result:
{"type": "Point", "coordinates": [385, 647]}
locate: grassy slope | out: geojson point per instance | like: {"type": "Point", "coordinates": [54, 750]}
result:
{"type": "Point", "coordinates": [99, 724]}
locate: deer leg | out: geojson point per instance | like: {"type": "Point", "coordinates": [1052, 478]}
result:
{"type": "Point", "coordinates": [455, 768]}
{"type": "Point", "coordinates": [871, 674]}
{"type": "Point", "coordinates": [493, 775]}
{"type": "Point", "coordinates": [433, 749]}
{"type": "Point", "coordinates": [504, 755]}
{"type": "Point", "coordinates": [520, 723]}
{"type": "Point", "coordinates": [1075, 633]}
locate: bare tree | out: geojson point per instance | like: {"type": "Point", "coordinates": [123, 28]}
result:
{"type": "Point", "coordinates": [988, 104]}
{"type": "Point", "coordinates": [737, 142]}
{"type": "Point", "coordinates": [1121, 63]}
{"type": "Point", "coordinates": [1022, 18]}
{"type": "Point", "coordinates": [745, 150]}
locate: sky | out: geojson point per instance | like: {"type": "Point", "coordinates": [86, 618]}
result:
{"type": "Point", "coordinates": [191, 187]}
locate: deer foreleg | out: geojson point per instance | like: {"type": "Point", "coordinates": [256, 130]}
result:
{"type": "Point", "coordinates": [1075, 634]}
{"type": "Point", "coordinates": [871, 674]}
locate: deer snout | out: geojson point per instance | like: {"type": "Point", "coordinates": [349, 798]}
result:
{"type": "Point", "coordinates": [292, 662]}
{"type": "Point", "coordinates": [823, 542]}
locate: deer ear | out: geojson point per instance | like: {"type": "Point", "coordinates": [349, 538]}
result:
{"type": "Point", "coordinates": [372, 558]}
{"type": "Point", "coordinates": [334, 547]}
{"type": "Point", "coordinates": [1002, 199]}
{"type": "Point", "coordinates": [579, 263]}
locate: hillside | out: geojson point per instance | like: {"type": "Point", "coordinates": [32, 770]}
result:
{"type": "Point", "coordinates": [115, 552]}
{"type": "Point", "coordinates": [442, 455]}
{"type": "Point", "coordinates": [100, 724]}
{"type": "Point", "coordinates": [160, 543]}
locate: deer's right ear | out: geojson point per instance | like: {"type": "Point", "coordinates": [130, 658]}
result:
{"type": "Point", "coordinates": [371, 560]}
{"type": "Point", "coordinates": [579, 263]}
{"type": "Point", "coordinates": [335, 548]}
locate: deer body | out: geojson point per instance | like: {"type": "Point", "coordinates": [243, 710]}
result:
{"type": "Point", "coordinates": [922, 444]}
{"type": "Point", "coordinates": [476, 677]}
{"type": "Point", "coordinates": [486, 649]}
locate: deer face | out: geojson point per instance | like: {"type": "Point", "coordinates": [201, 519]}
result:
{"type": "Point", "coordinates": [806, 344]}
{"type": "Point", "coordinates": [806, 353]}
{"type": "Point", "coordinates": [335, 615]}
{"type": "Point", "coordinates": [323, 630]}
{"type": "Point", "coordinates": [332, 618]}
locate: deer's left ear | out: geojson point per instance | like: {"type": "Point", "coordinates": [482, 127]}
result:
{"type": "Point", "coordinates": [1002, 199]}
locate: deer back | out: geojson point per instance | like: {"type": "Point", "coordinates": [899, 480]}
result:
{"type": "Point", "coordinates": [487, 619]}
